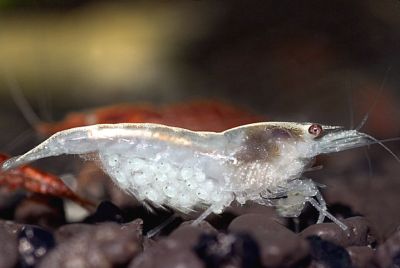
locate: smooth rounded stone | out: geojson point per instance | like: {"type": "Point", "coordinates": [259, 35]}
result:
{"type": "Point", "coordinates": [33, 244]}
{"type": "Point", "coordinates": [327, 254]}
{"type": "Point", "coordinates": [388, 254]}
{"type": "Point", "coordinates": [39, 210]}
{"type": "Point", "coordinates": [104, 245]}
{"type": "Point", "coordinates": [254, 208]}
{"type": "Point", "coordinates": [68, 231]}
{"type": "Point", "coordinates": [188, 234]}
{"type": "Point", "coordinates": [167, 253]}
{"type": "Point", "coordinates": [148, 243]}
{"type": "Point", "coordinates": [8, 248]}
{"type": "Point", "coordinates": [360, 256]}
{"type": "Point", "coordinates": [390, 232]}
{"type": "Point", "coordinates": [228, 250]}
{"type": "Point", "coordinates": [359, 232]}
{"type": "Point", "coordinates": [273, 240]}
{"type": "Point", "coordinates": [11, 227]}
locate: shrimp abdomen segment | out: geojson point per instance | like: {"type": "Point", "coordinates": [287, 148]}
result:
{"type": "Point", "coordinates": [89, 139]}
{"type": "Point", "coordinates": [72, 141]}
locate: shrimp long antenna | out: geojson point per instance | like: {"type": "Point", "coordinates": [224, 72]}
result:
{"type": "Point", "coordinates": [391, 139]}
{"type": "Point", "coordinates": [351, 111]}
{"type": "Point", "coordinates": [383, 145]}
{"type": "Point", "coordinates": [18, 140]}
{"type": "Point", "coordinates": [366, 116]}
{"type": "Point", "coordinates": [368, 162]}
{"type": "Point", "coordinates": [21, 102]}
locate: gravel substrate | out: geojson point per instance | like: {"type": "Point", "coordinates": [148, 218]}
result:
{"type": "Point", "coordinates": [249, 240]}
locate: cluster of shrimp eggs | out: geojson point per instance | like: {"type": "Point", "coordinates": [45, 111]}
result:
{"type": "Point", "coordinates": [162, 182]}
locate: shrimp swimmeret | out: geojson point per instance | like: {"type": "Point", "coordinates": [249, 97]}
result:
{"type": "Point", "coordinates": [188, 170]}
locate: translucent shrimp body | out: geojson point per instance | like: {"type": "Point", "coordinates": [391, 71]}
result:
{"type": "Point", "coordinates": [187, 170]}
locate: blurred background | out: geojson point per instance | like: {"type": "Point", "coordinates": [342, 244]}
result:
{"type": "Point", "coordinates": [307, 61]}
{"type": "Point", "coordinates": [320, 61]}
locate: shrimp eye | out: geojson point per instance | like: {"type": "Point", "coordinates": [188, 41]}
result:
{"type": "Point", "coordinates": [315, 130]}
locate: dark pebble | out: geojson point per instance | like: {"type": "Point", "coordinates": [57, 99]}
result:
{"type": "Point", "coordinates": [40, 210]}
{"type": "Point", "coordinates": [8, 247]}
{"type": "Point", "coordinates": [327, 254]}
{"type": "Point", "coordinates": [104, 245]}
{"type": "Point", "coordinates": [33, 244]}
{"type": "Point", "coordinates": [359, 232]}
{"type": "Point", "coordinates": [189, 235]}
{"type": "Point", "coordinates": [228, 250]}
{"type": "Point", "coordinates": [11, 227]}
{"type": "Point", "coordinates": [221, 221]}
{"type": "Point", "coordinates": [360, 256]}
{"type": "Point", "coordinates": [272, 238]}
{"type": "Point", "coordinates": [106, 211]}
{"type": "Point", "coordinates": [148, 243]}
{"type": "Point", "coordinates": [388, 254]}
{"type": "Point", "coordinates": [68, 231]}
{"type": "Point", "coordinates": [167, 253]}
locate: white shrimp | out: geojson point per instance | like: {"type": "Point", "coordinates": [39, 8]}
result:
{"type": "Point", "coordinates": [187, 170]}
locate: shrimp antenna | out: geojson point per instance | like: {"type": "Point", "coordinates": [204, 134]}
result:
{"type": "Point", "coordinates": [18, 140]}
{"type": "Point", "coordinates": [369, 162]}
{"type": "Point", "coordinates": [21, 102]}
{"type": "Point", "coordinates": [351, 111]}
{"type": "Point", "coordinates": [349, 86]}
{"type": "Point", "coordinates": [383, 145]}
{"type": "Point", "coordinates": [366, 116]}
{"type": "Point", "coordinates": [391, 139]}
{"type": "Point", "coordinates": [351, 114]}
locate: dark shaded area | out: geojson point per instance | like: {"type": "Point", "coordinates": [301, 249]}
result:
{"type": "Point", "coordinates": [106, 211]}
{"type": "Point", "coordinates": [228, 250]}
{"type": "Point", "coordinates": [34, 244]}
{"type": "Point", "coordinates": [60, 5]}
{"type": "Point", "coordinates": [329, 254]}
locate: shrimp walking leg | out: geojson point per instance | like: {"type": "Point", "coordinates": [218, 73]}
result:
{"type": "Point", "coordinates": [203, 215]}
{"type": "Point", "coordinates": [324, 212]}
{"type": "Point", "coordinates": [322, 203]}
{"type": "Point", "coordinates": [158, 228]}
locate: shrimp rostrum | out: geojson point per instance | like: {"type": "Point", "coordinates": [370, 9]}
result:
{"type": "Point", "coordinates": [188, 170]}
